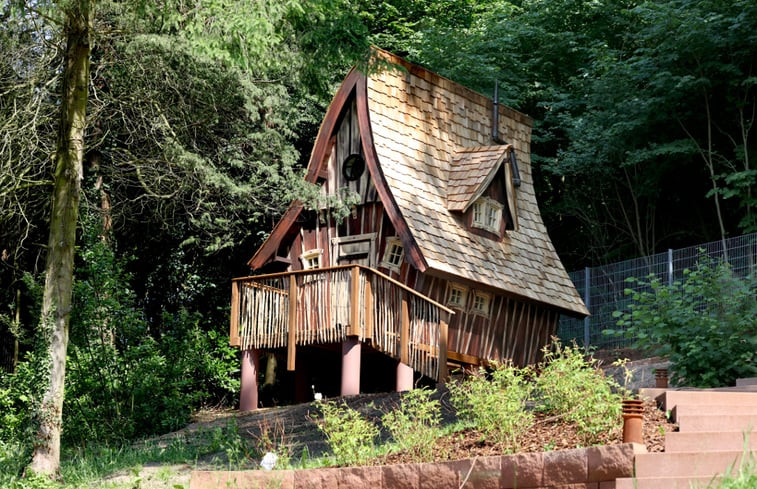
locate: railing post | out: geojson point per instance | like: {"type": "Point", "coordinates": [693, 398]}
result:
{"type": "Point", "coordinates": [354, 326]}
{"type": "Point", "coordinates": [368, 308]}
{"type": "Point", "coordinates": [234, 326]}
{"type": "Point", "coordinates": [292, 339]}
{"type": "Point", "coordinates": [670, 266]}
{"type": "Point", "coordinates": [404, 331]}
{"type": "Point", "coordinates": [443, 331]}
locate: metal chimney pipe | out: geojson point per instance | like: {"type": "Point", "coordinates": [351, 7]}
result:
{"type": "Point", "coordinates": [495, 113]}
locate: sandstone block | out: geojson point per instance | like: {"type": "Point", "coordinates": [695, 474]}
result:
{"type": "Point", "coordinates": [565, 467]}
{"type": "Point", "coordinates": [401, 476]}
{"type": "Point", "coordinates": [607, 463]}
{"type": "Point", "coordinates": [354, 477]}
{"type": "Point", "coordinates": [438, 476]}
{"type": "Point", "coordinates": [522, 470]}
{"type": "Point", "coordinates": [316, 478]}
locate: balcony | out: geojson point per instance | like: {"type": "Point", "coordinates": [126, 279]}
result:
{"type": "Point", "coordinates": [328, 305]}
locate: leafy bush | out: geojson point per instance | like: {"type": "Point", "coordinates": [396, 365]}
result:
{"type": "Point", "coordinates": [571, 386]}
{"type": "Point", "coordinates": [126, 377]}
{"type": "Point", "coordinates": [704, 324]}
{"type": "Point", "coordinates": [414, 425]}
{"type": "Point", "coordinates": [350, 436]}
{"type": "Point", "coordinates": [496, 407]}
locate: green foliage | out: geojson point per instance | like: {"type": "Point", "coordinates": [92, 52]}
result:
{"type": "Point", "coordinates": [123, 380]}
{"type": "Point", "coordinates": [496, 406]}
{"type": "Point", "coordinates": [572, 387]}
{"type": "Point", "coordinates": [414, 424]}
{"type": "Point", "coordinates": [350, 436]}
{"type": "Point", "coordinates": [705, 324]}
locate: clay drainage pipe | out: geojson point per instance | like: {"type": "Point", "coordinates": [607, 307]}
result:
{"type": "Point", "coordinates": [633, 415]}
{"type": "Point", "coordinates": [661, 378]}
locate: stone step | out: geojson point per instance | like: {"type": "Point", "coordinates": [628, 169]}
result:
{"type": "Point", "coordinates": [672, 398]}
{"type": "Point", "coordinates": [722, 410]}
{"type": "Point", "coordinates": [711, 440]}
{"type": "Point", "coordinates": [716, 422]}
{"type": "Point", "coordinates": [747, 381]}
{"type": "Point", "coordinates": [664, 482]}
{"type": "Point", "coordinates": [685, 464]}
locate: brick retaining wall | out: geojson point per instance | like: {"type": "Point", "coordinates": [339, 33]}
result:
{"type": "Point", "coordinates": [582, 468]}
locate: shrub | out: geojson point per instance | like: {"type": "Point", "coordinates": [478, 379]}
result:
{"type": "Point", "coordinates": [571, 386]}
{"type": "Point", "coordinates": [496, 407]}
{"type": "Point", "coordinates": [414, 425]}
{"type": "Point", "coordinates": [350, 436]}
{"type": "Point", "coordinates": [704, 324]}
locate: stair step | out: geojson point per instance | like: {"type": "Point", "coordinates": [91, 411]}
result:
{"type": "Point", "coordinates": [711, 440]}
{"type": "Point", "coordinates": [736, 388]}
{"type": "Point", "coordinates": [716, 422]}
{"type": "Point", "coordinates": [685, 464]}
{"type": "Point", "coordinates": [672, 398]}
{"type": "Point", "coordinates": [722, 410]}
{"type": "Point", "coordinates": [664, 482]}
{"type": "Point", "coordinates": [747, 381]}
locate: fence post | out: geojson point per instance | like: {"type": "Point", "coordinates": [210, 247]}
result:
{"type": "Point", "coordinates": [292, 337]}
{"type": "Point", "coordinates": [587, 302]}
{"type": "Point", "coordinates": [670, 266]}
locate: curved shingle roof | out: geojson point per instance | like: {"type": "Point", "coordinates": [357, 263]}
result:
{"type": "Point", "coordinates": [432, 138]}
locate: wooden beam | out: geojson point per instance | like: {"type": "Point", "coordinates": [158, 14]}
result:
{"type": "Point", "coordinates": [462, 357]}
{"type": "Point", "coordinates": [405, 332]}
{"type": "Point", "coordinates": [368, 334]}
{"type": "Point", "coordinates": [291, 343]}
{"type": "Point", "coordinates": [443, 331]}
{"type": "Point", "coordinates": [234, 326]}
{"type": "Point", "coordinates": [354, 326]}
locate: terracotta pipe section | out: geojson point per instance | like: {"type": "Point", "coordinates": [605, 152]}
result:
{"type": "Point", "coordinates": [248, 396]}
{"type": "Point", "coordinates": [661, 378]}
{"type": "Point", "coordinates": [633, 416]}
{"type": "Point", "coordinates": [350, 366]}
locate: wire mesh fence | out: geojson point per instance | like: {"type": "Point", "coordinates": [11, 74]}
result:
{"type": "Point", "coordinates": [607, 284]}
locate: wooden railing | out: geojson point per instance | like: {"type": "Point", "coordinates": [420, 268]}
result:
{"type": "Point", "coordinates": [327, 305]}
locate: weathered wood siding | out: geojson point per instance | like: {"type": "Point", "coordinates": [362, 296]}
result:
{"type": "Point", "coordinates": [515, 330]}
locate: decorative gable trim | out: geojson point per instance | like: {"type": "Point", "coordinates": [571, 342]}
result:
{"type": "Point", "coordinates": [355, 83]}
{"type": "Point", "coordinates": [412, 251]}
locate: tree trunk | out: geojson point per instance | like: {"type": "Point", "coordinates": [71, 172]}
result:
{"type": "Point", "coordinates": [59, 270]}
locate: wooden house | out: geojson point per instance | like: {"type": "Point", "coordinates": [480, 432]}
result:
{"type": "Point", "coordinates": [443, 258]}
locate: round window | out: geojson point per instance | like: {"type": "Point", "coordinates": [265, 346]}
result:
{"type": "Point", "coordinates": [353, 167]}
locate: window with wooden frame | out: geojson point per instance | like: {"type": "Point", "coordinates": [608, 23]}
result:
{"type": "Point", "coordinates": [456, 296]}
{"type": "Point", "coordinates": [393, 254]}
{"type": "Point", "coordinates": [481, 303]}
{"type": "Point", "coordinates": [311, 259]}
{"type": "Point", "coordinates": [487, 214]}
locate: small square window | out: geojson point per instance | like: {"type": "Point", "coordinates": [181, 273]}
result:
{"type": "Point", "coordinates": [311, 259]}
{"type": "Point", "coordinates": [456, 296]}
{"type": "Point", "coordinates": [393, 254]}
{"type": "Point", "coordinates": [481, 303]}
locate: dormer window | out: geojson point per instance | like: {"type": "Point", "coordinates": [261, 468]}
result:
{"type": "Point", "coordinates": [311, 259]}
{"type": "Point", "coordinates": [487, 214]}
{"type": "Point", "coordinates": [393, 254]}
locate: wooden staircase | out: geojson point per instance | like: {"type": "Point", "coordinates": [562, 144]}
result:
{"type": "Point", "coordinates": [712, 428]}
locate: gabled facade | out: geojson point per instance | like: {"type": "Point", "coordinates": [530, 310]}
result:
{"type": "Point", "coordinates": [442, 212]}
